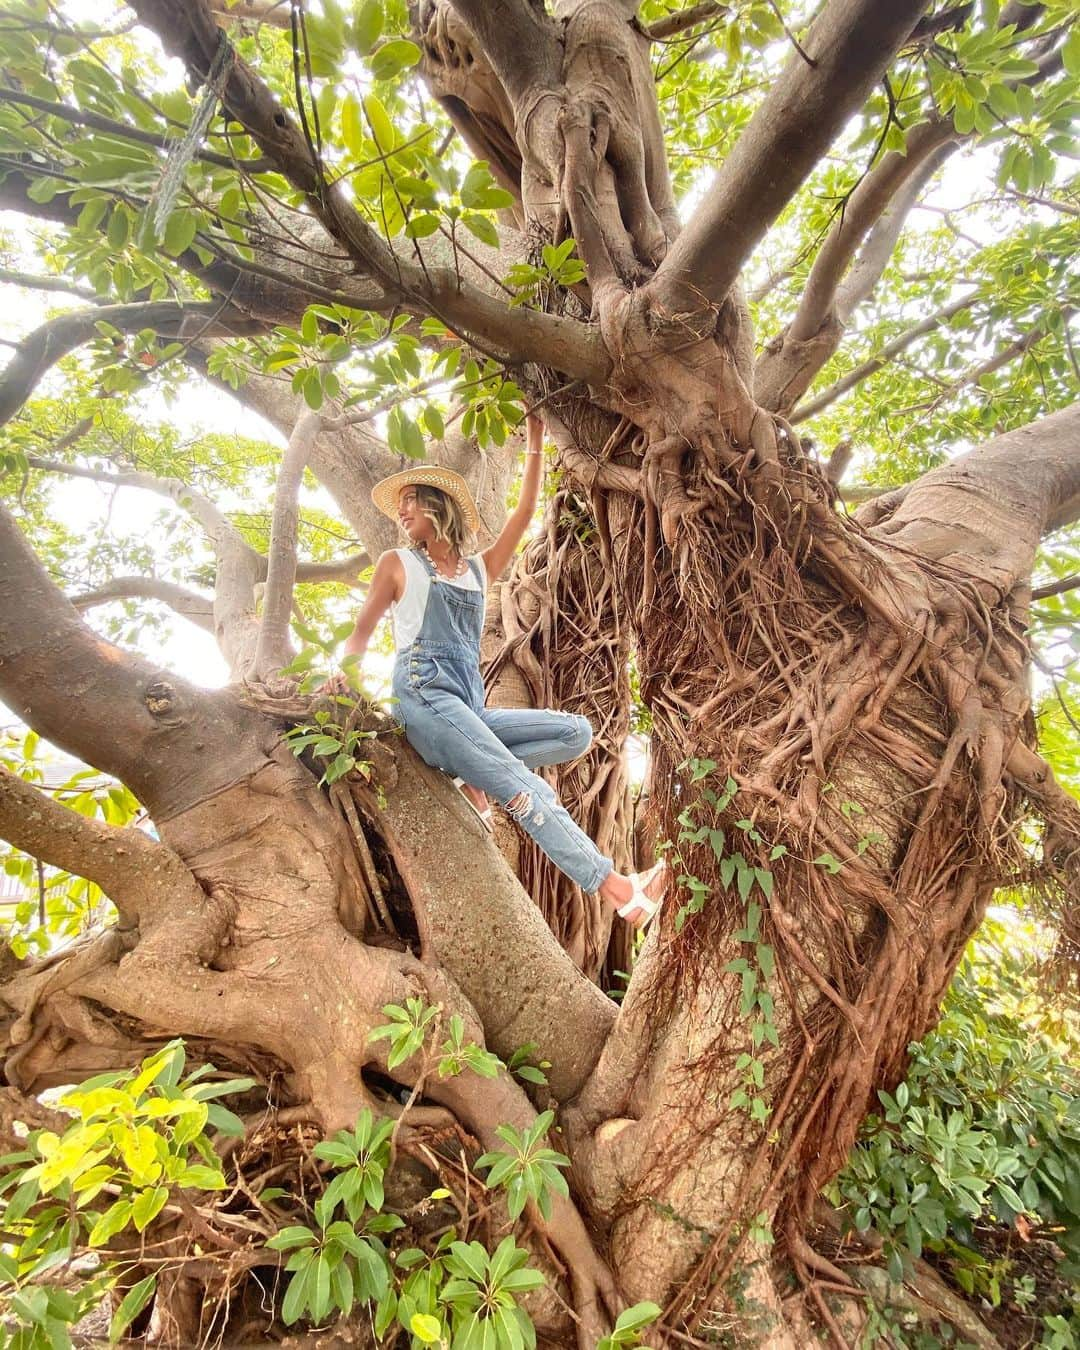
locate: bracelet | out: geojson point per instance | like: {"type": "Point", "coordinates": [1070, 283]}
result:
{"type": "Point", "coordinates": [534, 452]}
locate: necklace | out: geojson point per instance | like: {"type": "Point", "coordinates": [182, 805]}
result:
{"type": "Point", "coordinates": [460, 568]}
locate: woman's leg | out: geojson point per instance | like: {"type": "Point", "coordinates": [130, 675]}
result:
{"type": "Point", "coordinates": [450, 736]}
{"type": "Point", "coordinates": [538, 736]}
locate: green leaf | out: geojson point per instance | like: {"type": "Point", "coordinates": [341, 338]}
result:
{"type": "Point", "coordinates": [638, 1316]}
{"type": "Point", "coordinates": [433, 420]}
{"type": "Point", "coordinates": [367, 25]}
{"type": "Point", "coordinates": [421, 225]}
{"type": "Point", "coordinates": [296, 1296]}
{"type": "Point", "coordinates": [382, 129]}
{"type": "Point", "coordinates": [393, 57]}
{"type": "Point", "coordinates": [312, 389]}
{"type": "Point", "coordinates": [352, 126]}
{"type": "Point", "coordinates": [319, 1288]}
{"type": "Point", "coordinates": [180, 230]}
{"type": "Point", "coordinates": [1070, 51]}
{"type": "Point", "coordinates": [110, 1223]}
{"type": "Point", "coordinates": [202, 1178]}
{"type": "Point", "coordinates": [482, 227]}
{"type": "Point", "coordinates": [286, 1238]}
{"type": "Point", "coordinates": [134, 1301]}
{"type": "Point", "coordinates": [427, 1328]}
{"type": "Point", "coordinates": [147, 1205]}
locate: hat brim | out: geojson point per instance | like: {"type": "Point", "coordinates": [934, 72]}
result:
{"type": "Point", "coordinates": [385, 493]}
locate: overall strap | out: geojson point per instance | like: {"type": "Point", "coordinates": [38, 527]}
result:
{"type": "Point", "coordinates": [474, 567]}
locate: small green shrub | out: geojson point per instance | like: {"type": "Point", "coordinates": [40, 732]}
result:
{"type": "Point", "coordinates": [135, 1140]}
{"type": "Point", "coordinates": [985, 1127]}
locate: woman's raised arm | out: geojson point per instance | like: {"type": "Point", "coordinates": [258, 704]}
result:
{"type": "Point", "coordinates": [517, 522]}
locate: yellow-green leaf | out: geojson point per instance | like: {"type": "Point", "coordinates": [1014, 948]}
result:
{"type": "Point", "coordinates": [148, 1204]}
{"type": "Point", "coordinates": [110, 1223]}
{"type": "Point", "coordinates": [426, 1328]}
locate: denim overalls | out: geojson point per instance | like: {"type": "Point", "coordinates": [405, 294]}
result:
{"type": "Point", "coordinates": [441, 706]}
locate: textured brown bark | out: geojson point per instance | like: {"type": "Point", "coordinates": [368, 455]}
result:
{"type": "Point", "coordinates": [561, 645]}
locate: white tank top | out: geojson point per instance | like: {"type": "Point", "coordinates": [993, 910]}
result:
{"type": "Point", "coordinates": [408, 614]}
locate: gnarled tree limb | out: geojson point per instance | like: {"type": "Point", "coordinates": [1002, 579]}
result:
{"type": "Point", "coordinates": [190, 32]}
{"type": "Point", "coordinates": [113, 709]}
{"type": "Point", "coordinates": [850, 45]}
{"type": "Point", "coordinates": [985, 512]}
{"type": "Point", "coordinates": [873, 217]}
{"type": "Point", "coordinates": [136, 872]}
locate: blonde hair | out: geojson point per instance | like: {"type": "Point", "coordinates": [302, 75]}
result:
{"type": "Point", "coordinates": [446, 516]}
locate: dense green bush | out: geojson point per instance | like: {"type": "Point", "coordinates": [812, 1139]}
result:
{"type": "Point", "coordinates": [986, 1128]}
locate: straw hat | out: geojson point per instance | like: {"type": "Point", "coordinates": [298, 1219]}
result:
{"type": "Point", "coordinates": [385, 493]}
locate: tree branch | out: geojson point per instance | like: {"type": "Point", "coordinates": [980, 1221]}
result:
{"type": "Point", "coordinates": [274, 13]}
{"type": "Point", "coordinates": [673, 24]}
{"type": "Point", "coordinates": [267, 296]}
{"type": "Point", "coordinates": [216, 525]}
{"type": "Point", "coordinates": [985, 512]}
{"type": "Point", "coordinates": [55, 338]}
{"type": "Point", "coordinates": [873, 217]}
{"type": "Point", "coordinates": [1022, 344]}
{"type": "Point", "coordinates": [850, 45]}
{"type": "Point", "coordinates": [347, 460]}
{"type": "Point", "coordinates": [519, 40]}
{"type": "Point", "coordinates": [111, 708]}
{"type": "Point", "coordinates": [273, 649]}
{"type": "Point", "coordinates": [132, 869]}
{"type": "Point", "coordinates": [865, 272]}
{"type": "Point", "coordinates": [338, 569]}
{"type": "Point", "coordinates": [1068, 583]}
{"type": "Point", "coordinates": [33, 282]}
{"type": "Point", "coordinates": [1064, 207]}
{"type": "Point", "coordinates": [240, 567]}
{"type": "Point", "coordinates": [190, 33]}
{"type": "Point", "coordinates": [124, 130]}
{"type": "Point", "coordinates": [199, 609]}
{"type": "Point", "coordinates": [892, 348]}
{"type": "Point", "coordinates": [230, 616]}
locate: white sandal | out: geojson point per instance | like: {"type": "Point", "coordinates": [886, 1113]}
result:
{"type": "Point", "coordinates": [640, 881]}
{"type": "Point", "coordinates": [485, 817]}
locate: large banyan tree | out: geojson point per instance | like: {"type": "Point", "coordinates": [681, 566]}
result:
{"type": "Point", "coordinates": [843, 758]}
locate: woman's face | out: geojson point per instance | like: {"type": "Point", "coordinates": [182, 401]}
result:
{"type": "Point", "coordinates": [411, 517]}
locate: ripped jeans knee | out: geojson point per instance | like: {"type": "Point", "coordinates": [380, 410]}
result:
{"type": "Point", "coordinates": [519, 806]}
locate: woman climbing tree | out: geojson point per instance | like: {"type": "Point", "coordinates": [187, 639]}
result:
{"type": "Point", "coordinates": [435, 593]}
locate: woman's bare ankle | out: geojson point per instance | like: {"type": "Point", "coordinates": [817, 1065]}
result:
{"type": "Point", "coordinates": [477, 796]}
{"type": "Point", "coordinates": [616, 889]}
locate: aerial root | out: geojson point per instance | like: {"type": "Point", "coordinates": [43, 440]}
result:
{"type": "Point", "coordinates": [787, 649]}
